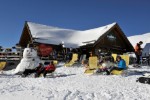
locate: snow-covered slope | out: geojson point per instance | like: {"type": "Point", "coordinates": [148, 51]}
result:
{"type": "Point", "coordinates": [71, 38]}
{"type": "Point", "coordinates": [136, 38]}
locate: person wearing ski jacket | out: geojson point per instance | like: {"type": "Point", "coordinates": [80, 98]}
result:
{"type": "Point", "coordinates": [121, 65]}
{"type": "Point", "coordinates": [138, 51]}
{"type": "Point", "coordinates": [48, 69]}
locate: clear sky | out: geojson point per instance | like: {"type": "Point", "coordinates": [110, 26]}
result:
{"type": "Point", "coordinates": [133, 16]}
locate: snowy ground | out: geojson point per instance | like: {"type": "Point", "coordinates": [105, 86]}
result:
{"type": "Point", "coordinates": [73, 84]}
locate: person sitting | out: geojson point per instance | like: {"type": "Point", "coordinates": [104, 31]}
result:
{"type": "Point", "coordinates": [120, 66]}
{"type": "Point", "coordinates": [29, 71]}
{"type": "Point", "coordinates": [48, 69]}
{"type": "Point", "coordinates": [104, 64]}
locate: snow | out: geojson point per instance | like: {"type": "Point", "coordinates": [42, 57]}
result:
{"type": "Point", "coordinates": [71, 38]}
{"type": "Point", "coordinates": [73, 84]}
{"type": "Point", "coordinates": [136, 38]}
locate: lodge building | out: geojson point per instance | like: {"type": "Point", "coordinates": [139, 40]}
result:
{"type": "Point", "coordinates": [46, 39]}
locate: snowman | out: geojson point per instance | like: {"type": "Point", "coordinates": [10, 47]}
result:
{"type": "Point", "coordinates": [30, 60]}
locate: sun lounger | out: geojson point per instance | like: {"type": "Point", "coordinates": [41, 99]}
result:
{"type": "Point", "coordinates": [74, 59]}
{"type": "Point", "coordinates": [55, 62]}
{"type": "Point", "coordinates": [92, 65]}
{"type": "Point", "coordinates": [126, 58]}
{"type": "Point", "coordinates": [114, 56]}
{"type": "Point", "coordinates": [2, 65]}
{"type": "Point", "coordinates": [117, 72]}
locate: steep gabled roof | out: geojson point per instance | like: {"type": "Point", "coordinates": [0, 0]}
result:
{"type": "Point", "coordinates": [71, 38]}
{"type": "Point", "coordinates": [121, 42]}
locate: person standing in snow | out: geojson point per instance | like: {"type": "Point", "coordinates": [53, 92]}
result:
{"type": "Point", "coordinates": [48, 69]}
{"type": "Point", "coordinates": [121, 65]}
{"type": "Point", "coordinates": [138, 51]}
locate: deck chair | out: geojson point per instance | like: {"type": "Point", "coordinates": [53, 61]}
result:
{"type": "Point", "coordinates": [116, 72]}
{"type": "Point", "coordinates": [80, 62]}
{"type": "Point", "coordinates": [114, 56]}
{"type": "Point", "coordinates": [92, 65]}
{"type": "Point", "coordinates": [55, 62]}
{"type": "Point", "coordinates": [72, 61]}
{"type": "Point", "coordinates": [126, 58]}
{"type": "Point", "coordinates": [2, 65]}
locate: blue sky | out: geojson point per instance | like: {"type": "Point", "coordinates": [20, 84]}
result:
{"type": "Point", "coordinates": [133, 16]}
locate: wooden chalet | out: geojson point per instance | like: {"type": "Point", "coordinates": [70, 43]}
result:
{"type": "Point", "coordinates": [109, 38]}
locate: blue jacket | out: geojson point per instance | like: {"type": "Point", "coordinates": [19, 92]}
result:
{"type": "Point", "coordinates": [122, 64]}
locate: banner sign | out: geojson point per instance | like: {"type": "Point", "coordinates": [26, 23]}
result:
{"type": "Point", "coordinates": [45, 50]}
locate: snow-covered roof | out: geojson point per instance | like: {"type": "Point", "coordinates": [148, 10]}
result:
{"type": "Point", "coordinates": [71, 38]}
{"type": "Point", "coordinates": [136, 38]}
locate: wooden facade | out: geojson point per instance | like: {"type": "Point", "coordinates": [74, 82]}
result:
{"type": "Point", "coordinates": [26, 36]}
{"type": "Point", "coordinates": [114, 41]}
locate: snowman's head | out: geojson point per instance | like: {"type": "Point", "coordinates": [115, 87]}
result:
{"type": "Point", "coordinates": [29, 53]}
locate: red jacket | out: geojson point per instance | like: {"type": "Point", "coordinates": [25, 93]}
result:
{"type": "Point", "coordinates": [50, 68]}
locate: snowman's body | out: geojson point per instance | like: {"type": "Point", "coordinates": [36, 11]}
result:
{"type": "Point", "coordinates": [30, 60]}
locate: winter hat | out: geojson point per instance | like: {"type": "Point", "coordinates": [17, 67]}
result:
{"type": "Point", "coordinates": [140, 42]}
